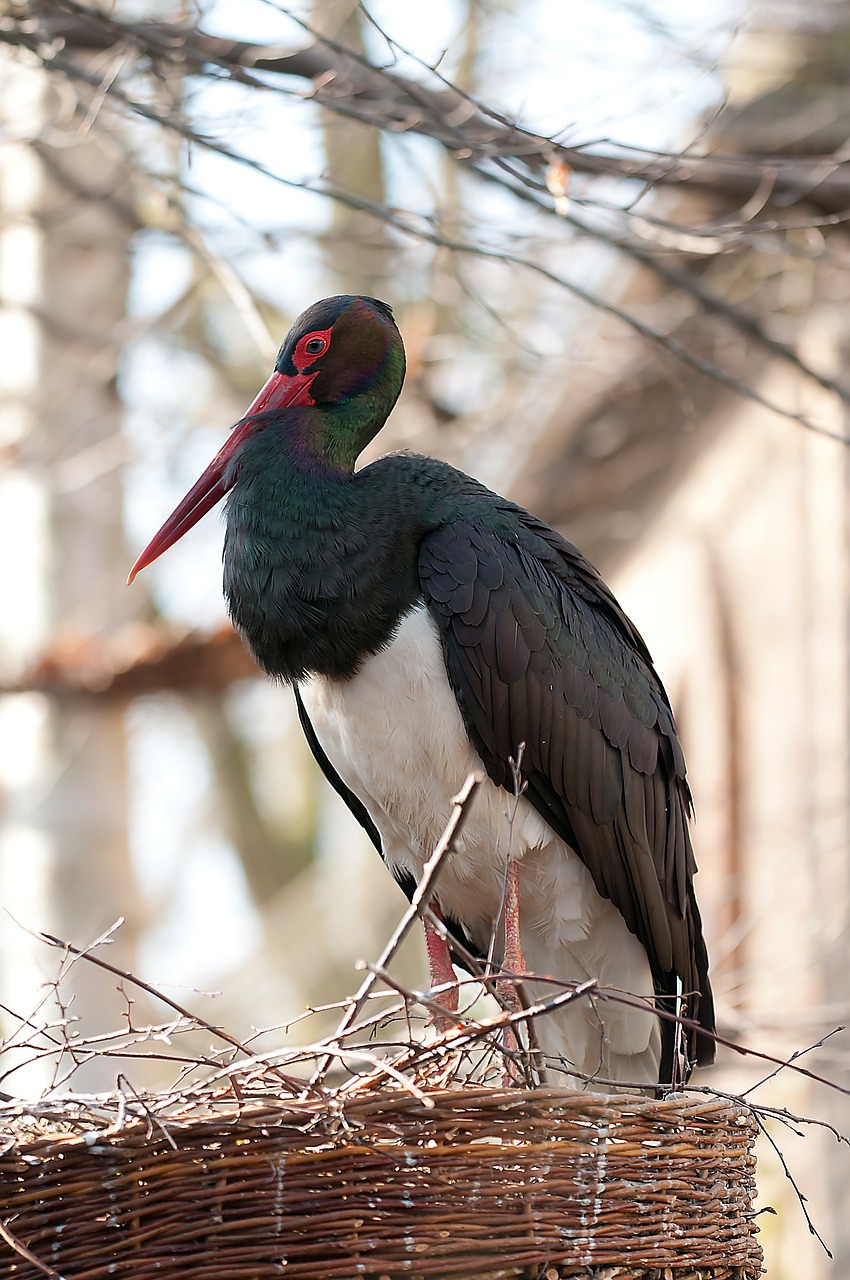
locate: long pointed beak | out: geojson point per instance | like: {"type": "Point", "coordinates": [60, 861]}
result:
{"type": "Point", "coordinates": [280, 391]}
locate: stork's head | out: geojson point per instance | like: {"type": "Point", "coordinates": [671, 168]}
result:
{"type": "Point", "coordinates": [343, 359]}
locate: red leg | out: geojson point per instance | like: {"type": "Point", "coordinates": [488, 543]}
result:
{"type": "Point", "coordinates": [440, 966]}
{"type": "Point", "coordinates": [514, 961]}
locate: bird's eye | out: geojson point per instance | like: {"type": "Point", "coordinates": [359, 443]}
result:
{"type": "Point", "coordinates": [310, 347]}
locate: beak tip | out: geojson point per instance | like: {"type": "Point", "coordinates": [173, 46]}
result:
{"type": "Point", "coordinates": [131, 576]}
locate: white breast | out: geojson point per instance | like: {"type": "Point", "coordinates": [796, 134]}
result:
{"type": "Point", "coordinates": [395, 736]}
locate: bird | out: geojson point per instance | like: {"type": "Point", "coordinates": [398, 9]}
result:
{"type": "Point", "coordinates": [429, 628]}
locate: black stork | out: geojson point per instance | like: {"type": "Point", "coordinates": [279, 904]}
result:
{"type": "Point", "coordinates": [429, 627]}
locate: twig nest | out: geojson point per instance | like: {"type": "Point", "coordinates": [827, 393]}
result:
{"type": "Point", "coordinates": [470, 1182]}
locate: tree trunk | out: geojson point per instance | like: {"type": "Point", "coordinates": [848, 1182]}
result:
{"type": "Point", "coordinates": [64, 268]}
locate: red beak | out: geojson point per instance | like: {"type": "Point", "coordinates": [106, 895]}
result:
{"type": "Point", "coordinates": [281, 391]}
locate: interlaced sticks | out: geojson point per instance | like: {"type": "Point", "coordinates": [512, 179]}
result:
{"type": "Point", "coordinates": [236, 1076]}
{"type": "Point", "coordinates": [470, 1048]}
{"type": "Point", "coordinates": [411, 1069]}
{"type": "Point", "coordinates": [488, 1040]}
{"type": "Point", "coordinates": [506, 1181]}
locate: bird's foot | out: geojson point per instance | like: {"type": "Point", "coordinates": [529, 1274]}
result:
{"type": "Point", "coordinates": [442, 976]}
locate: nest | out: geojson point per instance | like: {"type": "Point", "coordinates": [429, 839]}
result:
{"type": "Point", "coordinates": [382, 1183]}
{"type": "Point", "coordinates": [419, 1161]}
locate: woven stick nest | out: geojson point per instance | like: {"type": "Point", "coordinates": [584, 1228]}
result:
{"type": "Point", "coordinates": [416, 1164]}
{"type": "Point", "coordinates": [469, 1182]}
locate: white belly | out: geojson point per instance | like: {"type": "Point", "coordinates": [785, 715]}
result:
{"type": "Point", "coordinates": [395, 736]}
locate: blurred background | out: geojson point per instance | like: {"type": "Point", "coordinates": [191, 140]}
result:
{"type": "Point", "coordinates": [614, 235]}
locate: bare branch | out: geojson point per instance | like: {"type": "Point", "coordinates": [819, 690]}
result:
{"type": "Point", "coordinates": [351, 85]}
{"type": "Point", "coordinates": [477, 136]}
{"type": "Point", "coordinates": [138, 660]}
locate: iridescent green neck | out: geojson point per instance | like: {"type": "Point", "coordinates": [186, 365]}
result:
{"type": "Point", "coordinates": [341, 430]}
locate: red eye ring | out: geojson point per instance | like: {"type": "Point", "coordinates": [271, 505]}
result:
{"type": "Point", "coordinates": [310, 347]}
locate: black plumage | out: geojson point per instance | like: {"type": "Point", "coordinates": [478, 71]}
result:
{"type": "Point", "coordinates": [550, 660]}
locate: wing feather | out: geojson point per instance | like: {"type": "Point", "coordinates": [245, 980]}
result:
{"type": "Point", "coordinates": [539, 652]}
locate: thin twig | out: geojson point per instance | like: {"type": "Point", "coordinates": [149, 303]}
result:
{"type": "Point", "coordinates": [414, 911]}
{"type": "Point", "coordinates": [798, 1053]}
{"type": "Point", "coordinates": [801, 1199]}
{"type": "Point", "coordinates": [52, 941]}
{"type": "Point", "coordinates": [22, 1251]}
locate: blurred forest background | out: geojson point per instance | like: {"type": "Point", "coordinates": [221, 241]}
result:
{"type": "Point", "coordinates": [615, 237]}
